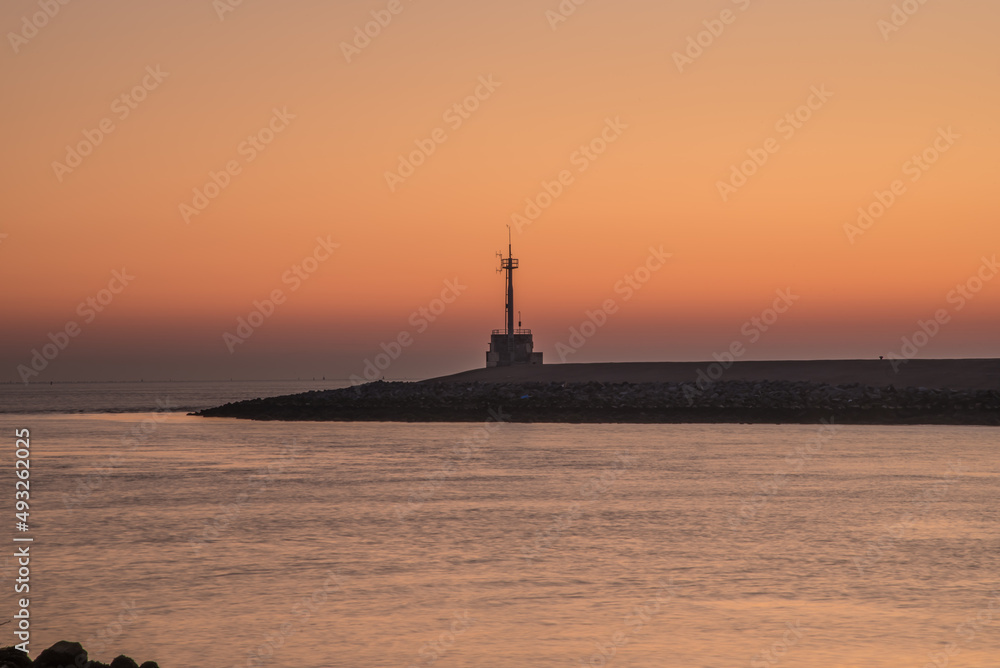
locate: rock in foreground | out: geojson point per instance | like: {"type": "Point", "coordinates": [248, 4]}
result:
{"type": "Point", "coordinates": [730, 401]}
{"type": "Point", "coordinates": [63, 654]}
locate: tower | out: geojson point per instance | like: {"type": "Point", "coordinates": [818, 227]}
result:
{"type": "Point", "coordinates": [511, 346]}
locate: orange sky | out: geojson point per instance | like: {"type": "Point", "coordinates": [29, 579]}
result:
{"type": "Point", "coordinates": [279, 70]}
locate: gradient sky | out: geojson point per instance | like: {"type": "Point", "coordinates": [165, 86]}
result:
{"type": "Point", "coordinates": [657, 184]}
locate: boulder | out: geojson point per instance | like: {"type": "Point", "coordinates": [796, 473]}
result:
{"type": "Point", "coordinates": [62, 655]}
{"type": "Point", "coordinates": [122, 661]}
{"type": "Point", "coordinates": [14, 658]}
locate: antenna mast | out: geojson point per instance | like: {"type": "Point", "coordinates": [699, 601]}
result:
{"type": "Point", "coordinates": [509, 264]}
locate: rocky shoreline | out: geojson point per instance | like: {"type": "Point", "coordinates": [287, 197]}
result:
{"type": "Point", "coordinates": [64, 654]}
{"type": "Point", "coordinates": [652, 402]}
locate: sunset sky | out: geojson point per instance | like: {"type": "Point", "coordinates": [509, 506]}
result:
{"type": "Point", "coordinates": [296, 123]}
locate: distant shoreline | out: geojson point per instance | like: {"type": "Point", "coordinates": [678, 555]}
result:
{"type": "Point", "coordinates": [946, 392]}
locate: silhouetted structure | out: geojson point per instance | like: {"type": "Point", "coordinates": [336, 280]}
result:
{"type": "Point", "coordinates": [511, 346]}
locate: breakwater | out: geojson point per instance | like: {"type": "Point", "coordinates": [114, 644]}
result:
{"type": "Point", "coordinates": [653, 402]}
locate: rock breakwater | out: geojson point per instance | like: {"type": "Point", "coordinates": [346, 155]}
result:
{"type": "Point", "coordinates": [594, 402]}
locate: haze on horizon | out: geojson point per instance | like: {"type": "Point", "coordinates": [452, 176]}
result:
{"type": "Point", "coordinates": [121, 119]}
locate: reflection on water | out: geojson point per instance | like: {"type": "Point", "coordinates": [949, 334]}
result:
{"type": "Point", "coordinates": [223, 543]}
{"type": "Point", "coordinates": [131, 397]}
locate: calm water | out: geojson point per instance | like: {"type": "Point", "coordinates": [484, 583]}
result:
{"type": "Point", "coordinates": [138, 397]}
{"type": "Point", "coordinates": [202, 543]}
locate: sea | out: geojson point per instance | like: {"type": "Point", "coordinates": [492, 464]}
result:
{"type": "Point", "coordinates": [206, 542]}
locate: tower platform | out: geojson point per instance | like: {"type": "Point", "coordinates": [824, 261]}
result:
{"type": "Point", "coordinates": [508, 350]}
